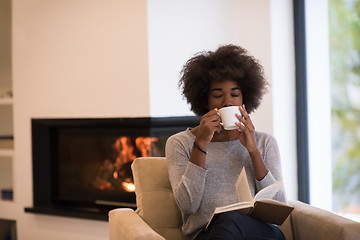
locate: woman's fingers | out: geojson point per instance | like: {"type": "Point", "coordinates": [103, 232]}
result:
{"type": "Point", "coordinates": [245, 119]}
{"type": "Point", "coordinates": [214, 120]}
{"type": "Point", "coordinates": [211, 114]}
{"type": "Point", "coordinates": [211, 121]}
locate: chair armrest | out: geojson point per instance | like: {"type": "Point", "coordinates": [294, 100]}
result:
{"type": "Point", "coordinates": [309, 222]}
{"type": "Point", "coordinates": [125, 223]}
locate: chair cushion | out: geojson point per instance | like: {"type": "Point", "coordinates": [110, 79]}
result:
{"type": "Point", "coordinates": [154, 197]}
{"type": "Point", "coordinates": [312, 223]}
{"type": "Point", "coordinates": [286, 229]}
{"type": "Point", "coordinates": [124, 223]}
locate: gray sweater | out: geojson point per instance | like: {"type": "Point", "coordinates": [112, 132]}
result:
{"type": "Point", "coordinates": [199, 191]}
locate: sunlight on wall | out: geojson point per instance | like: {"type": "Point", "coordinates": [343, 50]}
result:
{"type": "Point", "coordinates": [319, 104]}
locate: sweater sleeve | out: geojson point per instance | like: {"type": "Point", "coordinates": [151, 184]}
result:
{"type": "Point", "coordinates": [271, 157]}
{"type": "Point", "coordinates": [187, 179]}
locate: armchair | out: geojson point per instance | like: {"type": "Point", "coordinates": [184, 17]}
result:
{"type": "Point", "coordinates": [157, 216]}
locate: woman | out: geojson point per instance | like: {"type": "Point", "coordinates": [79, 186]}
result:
{"type": "Point", "coordinates": [205, 162]}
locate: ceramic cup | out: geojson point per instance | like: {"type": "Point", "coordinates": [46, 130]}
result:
{"type": "Point", "coordinates": [228, 118]}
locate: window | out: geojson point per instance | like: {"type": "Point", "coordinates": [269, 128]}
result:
{"type": "Point", "coordinates": [344, 29]}
{"type": "Point", "coordinates": [333, 89]}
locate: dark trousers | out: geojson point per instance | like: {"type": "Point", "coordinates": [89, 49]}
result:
{"type": "Point", "coordinates": [235, 226]}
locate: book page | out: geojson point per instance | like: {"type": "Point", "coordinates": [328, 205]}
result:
{"type": "Point", "coordinates": [269, 191]}
{"type": "Point", "coordinates": [234, 206]}
{"type": "Point", "coordinates": [243, 207]}
{"type": "Point", "coordinates": [242, 188]}
{"type": "Point", "coordinates": [271, 201]}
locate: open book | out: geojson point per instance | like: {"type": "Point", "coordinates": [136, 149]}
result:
{"type": "Point", "coordinates": [261, 207]}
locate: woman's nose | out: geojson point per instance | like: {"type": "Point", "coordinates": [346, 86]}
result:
{"type": "Point", "coordinates": [227, 102]}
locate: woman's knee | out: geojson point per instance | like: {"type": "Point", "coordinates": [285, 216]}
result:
{"type": "Point", "coordinates": [242, 226]}
{"type": "Point", "coordinates": [227, 226]}
{"type": "Point", "coordinates": [233, 216]}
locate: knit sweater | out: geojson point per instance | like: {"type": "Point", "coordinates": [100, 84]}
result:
{"type": "Point", "coordinates": [199, 191]}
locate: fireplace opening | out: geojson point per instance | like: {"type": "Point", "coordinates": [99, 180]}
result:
{"type": "Point", "coordinates": [82, 167]}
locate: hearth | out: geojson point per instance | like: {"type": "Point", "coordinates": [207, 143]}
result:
{"type": "Point", "coordinates": [81, 167]}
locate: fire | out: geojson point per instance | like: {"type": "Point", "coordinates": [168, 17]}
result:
{"type": "Point", "coordinates": [144, 145]}
{"type": "Point", "coordinates": [130, 187]}
{"type": "Point", "coordinates": [117, 173]}
{"type": "Point", "coordinates": [124, 150]}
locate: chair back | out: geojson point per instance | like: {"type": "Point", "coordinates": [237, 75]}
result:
{"type": "Point", "coordinates": [154, 197]}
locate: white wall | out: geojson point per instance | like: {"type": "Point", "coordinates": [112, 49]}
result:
{"type": "Point", "coordinates": [319, 103]}
{"type": "Point", "coordinates": [89, 58]}
{"type": "Point", "coordinates": [83, 58]}
{"type": "Point", "coordinates": [283, 86]}
{"type": "Point", "coordinates": [178, 30]}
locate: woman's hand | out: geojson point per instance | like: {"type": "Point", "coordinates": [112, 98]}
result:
{"type": "Point", "coordinates": [209, 124]}
{"type": "Point", "coordinates": [247, 139]}
{"type": "Point", "coordinates": [246, 130]}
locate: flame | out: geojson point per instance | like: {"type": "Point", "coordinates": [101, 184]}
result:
{"type": "Point", "coordinates": [117, 173]}
{"type": "Point", "coordinates": [130, 187]}
{"type": "Point", "coordinates": [144, 145]}
{"type": "Point", "coordinates": [124, 150]}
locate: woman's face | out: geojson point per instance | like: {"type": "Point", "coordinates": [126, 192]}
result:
{"type": "Point", "coordinates": [224, 94]}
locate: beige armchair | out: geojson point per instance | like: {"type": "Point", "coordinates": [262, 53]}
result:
{"type": "Point", "coordinates": [158, 217]}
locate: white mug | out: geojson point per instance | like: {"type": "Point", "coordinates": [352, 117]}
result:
{"type": "Point", "coordinates": [228, 118]}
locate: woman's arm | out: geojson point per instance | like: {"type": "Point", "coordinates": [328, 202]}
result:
{"type": "Point", "coordinates": [187, 161]}
{"type": "Point", "coordinates": [272, 160]}
{"type": "Point", "coordinates": [209, 124]}
{"type": "Point", "coordinates": [186, 178]}
{"type": "Point", "coordinates": [247, 139]}
{"type": "Point", "coordinates": [266, 164]}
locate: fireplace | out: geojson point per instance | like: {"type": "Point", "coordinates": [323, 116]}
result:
{"type": "Point", "coordinates": [81, 167]}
